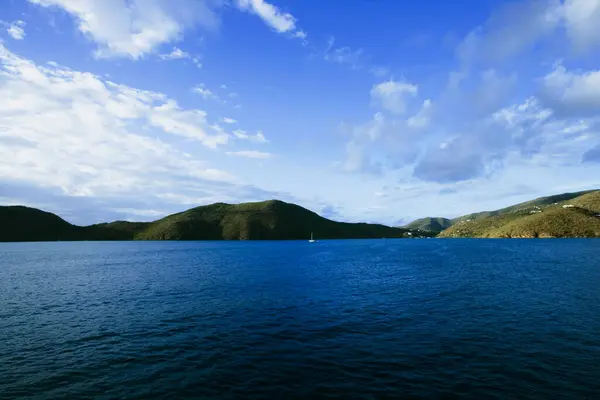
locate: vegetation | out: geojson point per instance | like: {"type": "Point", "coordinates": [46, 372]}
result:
{"type": "Point", "coordinates": [564, 215]}
{"type": "Point", "coordinates": [539, 202]}
{"type": "Point", "coordinates": [567, 215]}
{"type": "Point", "coordinates": [21, 223]}
{"type": "Point", "coordinates": [271, 220]}
{"type": "Point", "coordinates": [117, 230]}
{"type": "Point", "coordinates": [430, 224]}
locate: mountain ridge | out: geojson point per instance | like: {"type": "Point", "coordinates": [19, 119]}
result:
{"type": "Point", "coordinates": [431, 223]}
{"type": "Point", "coordinates": [571, 215]}
{"type": "Point", "coordinates": [266, 220]}
{"type": "Point", "coordinates": [575, 214]}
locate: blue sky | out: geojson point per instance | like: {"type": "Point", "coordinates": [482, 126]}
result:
{"type": "Point", "coordinates": [378, 111]}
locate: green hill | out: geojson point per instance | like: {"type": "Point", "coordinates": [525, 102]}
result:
{"type": "Point", "coordinates": [19, 223]}
{"type": "Point", "coordinates": [563, 215]}
{"type": "Point", "coordinates": [541, 201]}
{"type": "Point", "coordinates": [430, 224]}
{"type": "Point", "coordinates": [117, 230]}
{"type": "Point", "coordinates": [476, 228]}
{"type": "Point", "coordinates": [567, 215]}
{"type": "Point", "coordinates": [271, 220]}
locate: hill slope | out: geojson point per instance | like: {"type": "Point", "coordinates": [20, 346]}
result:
{"type": "Point", "coordinates": [540, 201]}
{"type": "Point", "coordinates": [570, 216]}
{"type": "Point", "coordinates": [247, 221]}
{"type": "Point", "coordinates": [439, 224]}
{"type": "Point", "coordinates": [20, 223]}
{"type": "Point", "coordinates": [117, 230]}
{"type": "Point", "coordinates": [26, 224]}
{"type": "Point", "coordinates": [430, 224]}
{"type": "Point", "coordinates": [270, 220]}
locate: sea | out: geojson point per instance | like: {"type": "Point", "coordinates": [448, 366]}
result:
{"type": "Point", "coordinates": [335, 319]}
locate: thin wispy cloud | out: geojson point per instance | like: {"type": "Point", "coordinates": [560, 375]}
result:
{"type": "Point", "coordinates": [250, 154]}
{"type": "Point", "coordinates": [178, 54]}
{"type": "Point", "coordinates": [15, 29]}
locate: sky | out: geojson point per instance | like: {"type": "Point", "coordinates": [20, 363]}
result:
{"type": "Point", "coordinates": [360, 110]}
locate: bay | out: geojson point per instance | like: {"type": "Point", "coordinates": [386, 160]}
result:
{"type": "Point", "coordinates": [430, 318]}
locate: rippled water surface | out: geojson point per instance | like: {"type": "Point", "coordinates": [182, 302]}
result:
{"type": "Point", "coordinates": [335, 319]}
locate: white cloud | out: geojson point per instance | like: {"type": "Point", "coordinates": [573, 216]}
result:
{"type": "Point", "coordinates": [582, 20]}
{"type": "Point", "coordinates": [392, 95]}
{"type": "Point", "coordinates": [140, 212]}
{"type": "Point", "coordinates": [204, 92]}
{"type": "Point", "coordinates": [280, 21]}
{"type": "Point", "coordinates": [188, 123]}
{"type": "Point", "coordinates": [16, 29]}
{"type": "Point", "coordinates": [250, 154]}
{"type": "Point", "coordinates": [86, 136]}
{"type": "Point", "coordinates": [527, 113]}
{"type": "Point", "coordinates": [175, 54]}
{"type": "Point", "coordinates": [132, 28]}
{"type": "Point", "coordinates": [491, 93]}
{"type": "Point", "coordinates": [178, 54]}
{"type": "Point", "coordinates": [301, 35]}
{"type": "Point", "coordinates": [422, 118]}
{"type": "Point", "coordinates": [362, 153]}
{"type": "Point", "coordinates": [342, 55]}
{"type": "Point", "coordinates": [570, 93]}
{"type": "Point", "coordinates": [227, 120]}
{"type": "Point", "coordinates": [257, 138]}
{"type": "Point", "coordinates": [233, 95]}
{"type": "Point", "coordinates": [197, 62]}
{"type": "Point", "coordinates": [517, 27]}
{"type": "Point", "coordinates": [525, 132]}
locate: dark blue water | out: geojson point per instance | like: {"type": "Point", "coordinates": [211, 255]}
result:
{"type": "Point", "coordinates": [283, 320]}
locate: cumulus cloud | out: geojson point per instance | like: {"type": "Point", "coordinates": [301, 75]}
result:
{"type": "Point", "coordinates": [422, 118]}
{"type": "Point", "coordinates": [80, 135]}
{"type": "Point", "coordinates": [392, 95]}
{"type": "Point", "coordinates": [227, 120]}
{"type": "Point", "coordinates": [473, 132]}
{"type": "Point", "coordinates": [519, 132]}
{"type": "Point", "coordinates": [380, 144]}
{"type": "Point", "coordinates": [571, 93]}
{"type": "Point", "coordinates": [491, 93]}
{"type": "Point", "coordinates": [447, 163]}
{"type": "Point", "coordinates": [133, 28]}
{"type": "Point", "coordinates": [582, 19]}
{"type": "Point", "coordinates": [357, 149]}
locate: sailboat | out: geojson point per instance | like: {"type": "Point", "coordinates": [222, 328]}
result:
{"type": "Point", "coordinates": [311, 240]}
